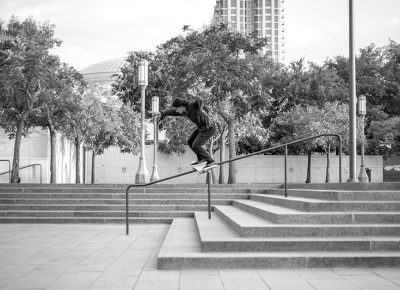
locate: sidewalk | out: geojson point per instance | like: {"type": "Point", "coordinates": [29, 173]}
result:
{"type": "Point", "coordinates": [94, 256]}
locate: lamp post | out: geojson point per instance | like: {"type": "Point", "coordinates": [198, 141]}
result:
{"type": "Point", "coordinates": [362, 110]}
{"type": "Point", "coordinates": [142, 174]}
{"type": "Point", "coordinates": [155, 105]}
{"type": "Point", "coordinates": [353, 100]}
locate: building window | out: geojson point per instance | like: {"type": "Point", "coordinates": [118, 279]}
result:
{"type": "Point", "coordinates": [268, 3]}
{"type": "Point", "coordinates": [233, 11]}
{"type": "Point", "coordinates": [268, 11]}
{"type": "Point", "coordinates": [233, 3]}
{"type": "Point", "coordinates": [276, 47]}
{"type": "Point", "coordinates": [268, 25]}
{"type": "Point", "coordinates": [268, 18]}
{"type": "Point", "coordinates": [233, 18]}
{"type": "Point", "coordinates": [268, 32]}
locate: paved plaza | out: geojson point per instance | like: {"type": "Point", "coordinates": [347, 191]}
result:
{"type": "Point", "coordinates": [97, 256]}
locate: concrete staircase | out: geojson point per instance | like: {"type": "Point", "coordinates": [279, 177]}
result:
{"type": "Point", "coordinates": [69, 203]}
{"type": "Point", "coordinates": [322, 226]}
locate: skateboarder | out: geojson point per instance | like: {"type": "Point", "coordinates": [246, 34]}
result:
{"type": "Point", "coordinates": [205, 127]}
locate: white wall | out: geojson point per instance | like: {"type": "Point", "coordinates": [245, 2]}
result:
{"type": "Point", "coordinates": [115, 167]}
{"type": "Point", "coordinates": [35, 149]}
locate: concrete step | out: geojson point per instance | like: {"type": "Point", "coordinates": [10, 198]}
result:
{"type": "Point", "coordinates": [347, 186]}
{"type": "Point", "coordinates": [80, 207]}
{"type": "Point", "coordinates": [4, 196]}
{"type": "Point", "coordinates": [315, 205]}
{"type": "Point", "coordinates": [283, 215]}
{"type": "Point", "coordinates": [249, 225]}
{"type": "Point", "coordinates": [216, 236]}
{"type": "Point", "coordinates": [133, 190]}
{"type": "Point", "coordinates": [192, 201]}
{"type": "Point", "coordinates": [182, 249]}
{"type": "Point", "coordinates": [123, 186]}
{"type": "Point", "coordinates": [103, 214]}
{"type": "Point", "coordinates": [335, 194]}
{"type": "Point", "coordinates": [77, 220]}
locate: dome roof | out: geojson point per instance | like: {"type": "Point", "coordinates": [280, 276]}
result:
{"type": "Point", "coordinates": [103, 71]}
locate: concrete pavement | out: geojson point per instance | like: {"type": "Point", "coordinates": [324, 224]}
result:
{"type": "Point", "coordinates": [98, 256]}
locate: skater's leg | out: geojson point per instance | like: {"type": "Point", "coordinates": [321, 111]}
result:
{"type": "Point", "coordinates": [191, 140]}
{"type": "Point", "coordinates": [201, 139]}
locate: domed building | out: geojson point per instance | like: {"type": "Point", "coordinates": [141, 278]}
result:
{"type": "Point", "coordinates": [104, 72]}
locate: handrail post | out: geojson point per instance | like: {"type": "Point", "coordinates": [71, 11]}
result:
{"type": "Point", "coordinates": [340, 158]}
{"type": "Point", "coordinates": [286, 152]}
{"type": "Point", "coordinates": [209, 193]}
{"type": "Point", "coordinates": [127, 211]}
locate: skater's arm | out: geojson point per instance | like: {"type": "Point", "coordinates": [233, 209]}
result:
{"type": "Point", "coordinates": [170, 112]}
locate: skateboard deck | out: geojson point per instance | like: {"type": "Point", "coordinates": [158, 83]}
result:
{"type": "Point", "coordinates": [202, 167]}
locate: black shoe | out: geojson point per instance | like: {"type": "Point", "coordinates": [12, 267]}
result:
{"type": "Point", "coordinates": [211, 163]}
{"type": "Point", "coordinates": [194, 163]}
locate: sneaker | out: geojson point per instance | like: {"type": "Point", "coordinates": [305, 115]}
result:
{"type": "Point", "coordinates": [197, 162]}
{"type": "Point", "coordinates": [211, 163]}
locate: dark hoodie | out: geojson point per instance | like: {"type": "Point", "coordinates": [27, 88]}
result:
{"type": "Point", "coordinates": [194, 112]}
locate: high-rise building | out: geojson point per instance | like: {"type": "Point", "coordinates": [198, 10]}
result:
{"type": "Point", "coordinates": [264, 17]}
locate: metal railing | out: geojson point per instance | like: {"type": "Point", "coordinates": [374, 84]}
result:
{"type": "Point", "coordinates": [9, 169]}
{"type": "Point", "coordinates": [23, 167]}
{"type": "Point", "coordinates": [285, 146]}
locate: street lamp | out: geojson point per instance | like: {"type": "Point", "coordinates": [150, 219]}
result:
{"type": "Point", "coordinates": [352, 99]}
{"type": "Point", "coordinates": [362, 110]}
{"type": "Point", "coordinates": [142, 174]}
{"type": "Point", "coordinates": [155, 106]}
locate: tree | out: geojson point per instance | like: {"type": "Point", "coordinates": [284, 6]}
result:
{"type": "Point", "coordinates": [211, 59]}
{"type": "Point", "coordinates": [107, 130]}
{"type": "Point", "coordinates": [25, 63]}
{"type": "Point", "coordinates": [298, 123]}
{"type": "Point", "coordinates": [384, 136]}
{"type": "Point", "coordinates": [83, 118]}
{"type": "Point", "coordinates": [129, 139]}
{"type": "Point", "coordinates": [54, 103]}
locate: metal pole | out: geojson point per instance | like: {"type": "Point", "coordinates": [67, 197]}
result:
{"type": "Point", "coordinates": [286, 152]}
{"type": "Point", "coordinates": [340, 159]}
{"type": "Point", "coordinates": [209, 193]}
{"type": "Point", "coordinates": [154, 174]}
{"type": "Point", "coordinates": [353, 101]}
{"type": "Point", "coordinates": [362, 177]}
{"type": "Point", "coordinates": [142, 174]}
{"type": "Point", "coordinates": [127, 211]}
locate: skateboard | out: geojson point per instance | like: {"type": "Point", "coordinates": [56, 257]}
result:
{"type": "Point", "coordinates": [202, 167]}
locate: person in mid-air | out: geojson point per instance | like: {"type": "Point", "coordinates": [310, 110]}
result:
{"type": "Point", "coordinates": [204, 131]}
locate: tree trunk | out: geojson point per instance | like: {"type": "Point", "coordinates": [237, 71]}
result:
{"type": "Point", "coordinates": [17, 147]}
{"type": "Point", "coordinates": [232, 151]}
{"type": "Point", "coordinates": [328, 165]}
{"type": "Point", "coordinates": [93, 167]}
{"type": "Point", "coordinates": [222, 158]}
{"type": "Point", "coordinates": [53, 154]}
{"type": "Point", "coordinates": [77, 162]}
{"type": "Point", "coordinates": [308, 180]}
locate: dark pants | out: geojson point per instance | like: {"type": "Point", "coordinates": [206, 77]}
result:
{"type": "Point", "coordinates": [198, 139]}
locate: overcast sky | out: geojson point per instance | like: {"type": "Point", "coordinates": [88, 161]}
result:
{"type": "Point", "coordinates": [97, 30]}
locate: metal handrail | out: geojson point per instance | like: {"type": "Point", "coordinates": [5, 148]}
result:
{"type": "Point", "coordinates": [26, 166]}
{"type": "Point", "coordinates": [9, 168]}
{"type": "Point", "coordinates": [236, 159]}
